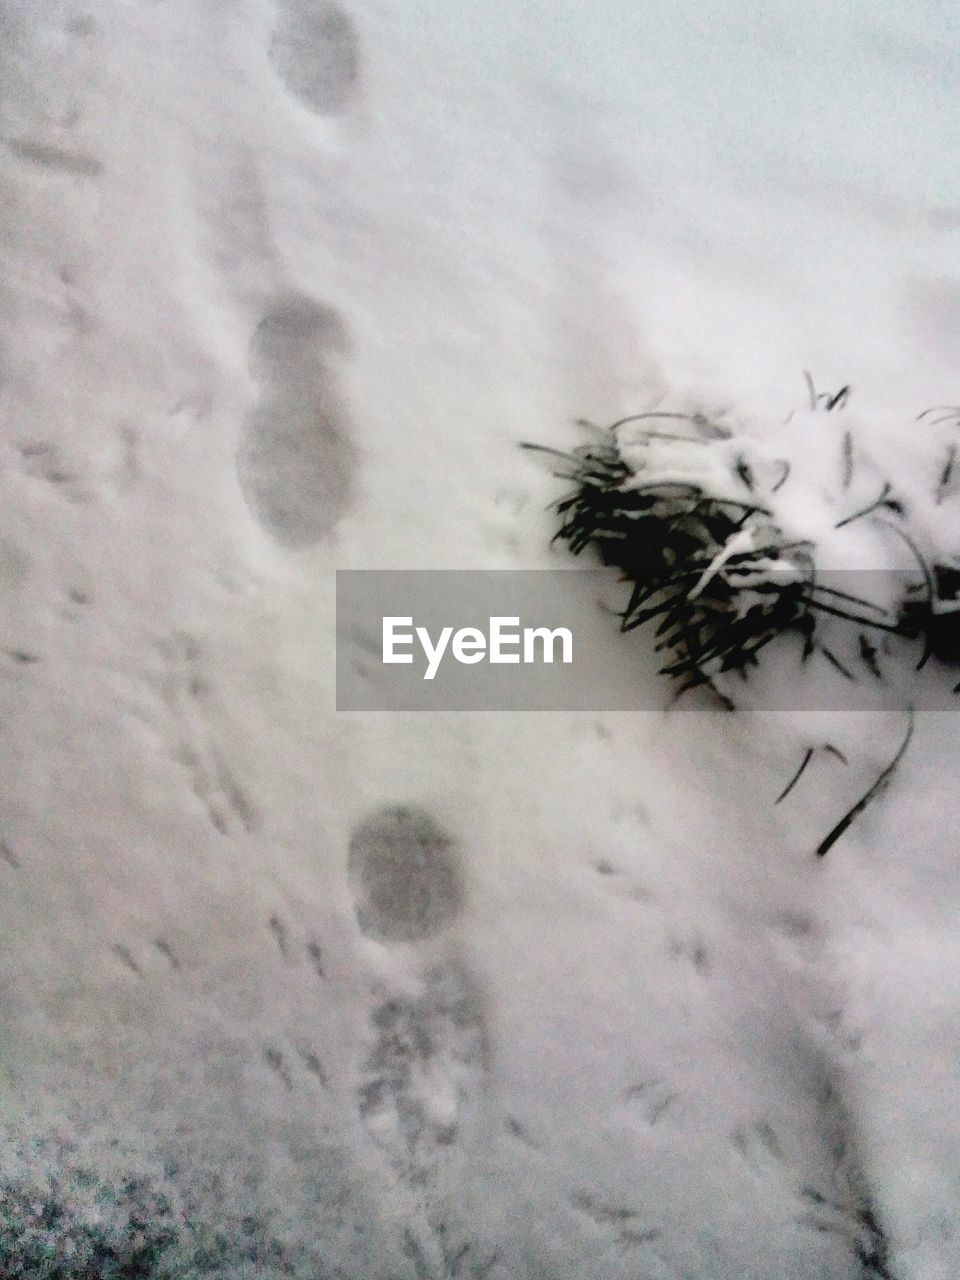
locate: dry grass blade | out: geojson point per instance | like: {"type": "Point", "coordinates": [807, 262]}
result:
{"type": "Point", "coordinates": [883, 779]}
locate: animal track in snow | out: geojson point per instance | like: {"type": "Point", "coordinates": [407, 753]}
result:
{"type": "Point", "coordinates": [314, 51]}
{"type": "Point", "coordinates": [759, 1146]}
{"type": "Point", "coordinates": [8, 855]}
{"type": "Point", "coordinates": [315, 952]}
{"type": "Point", "coordinates": [312, 951]}
{"type": "Point", "coordinates": [289, 1069]}
{"type": "Point", "coordinates": [624, 1222]}
{"type": "Point", "coordinates": [521, 1133]}
{"type": "Point", "coordinates": [139, 960]}
{"type": "Point", "coordinates": [277, 1063]}
{"type": "Point", "coordinates": [296, 461]}
{"type": "Point", "coordinates": [168, 953]}
{"type": "Point", "coordinates": [43, 460]}
{"type": "Point", "coordinates": [188, 696]}
{"type": "Point", "coordinates": [125, 956]}
{"type": "Point", "coordinates": [22, 657]}
{"type": "Point", "coordinates": [693, 950]}
{"type": "Point", "coordinates": [404, 875]}
{"type": "Point", "coordinates": [654, 1098]}
{"type": "Point", "coordinates": [46, 156]}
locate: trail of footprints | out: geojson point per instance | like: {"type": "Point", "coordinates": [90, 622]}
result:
{"type": "Point", "coordinates": [297, 460]}
{"type": "Point", "coordinates": [421, 1077]}
{"type": "Point", "coordinates": [423, 1070]}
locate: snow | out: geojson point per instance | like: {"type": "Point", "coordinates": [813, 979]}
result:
{"type": "Point", "coordinates": [284, 285]}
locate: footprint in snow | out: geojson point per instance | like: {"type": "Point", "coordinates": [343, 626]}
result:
{"type": "Point", "coordinates": [314, 50]}
{"type": "Point", "coordinates": [421, 1084]}
{"type": "Point", "coordinates": [404, 875]}
{"type": "Point", "coordinates": [296, 460]}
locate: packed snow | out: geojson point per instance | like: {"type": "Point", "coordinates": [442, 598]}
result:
{"type": "Point", "coordinates": [419, 996]}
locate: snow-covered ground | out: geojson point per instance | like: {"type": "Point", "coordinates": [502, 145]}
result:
{"type": "Point", "coordinates": [284, 283]}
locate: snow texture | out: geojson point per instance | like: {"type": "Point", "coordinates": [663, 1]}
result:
{"type": "Point", "coordinates": [422, 997]}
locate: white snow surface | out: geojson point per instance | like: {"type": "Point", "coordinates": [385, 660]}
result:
{"type": "Point", "coordinates": [284, 284]}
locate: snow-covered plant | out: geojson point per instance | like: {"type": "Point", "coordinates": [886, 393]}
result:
{"type": "Point", "coordinates": [729, 541]}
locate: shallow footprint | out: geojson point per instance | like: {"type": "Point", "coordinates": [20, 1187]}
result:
{"type": "Point", "coordinates": [404, 874]}
{"type": "Point", "coordinates": [315, 52]}
{"type": "Point", "coordinates": [296, 332]}
{"type": "Point", "coordinates": [297, 460]}
{"type": "Point", "coordinates": [422, 1079]}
